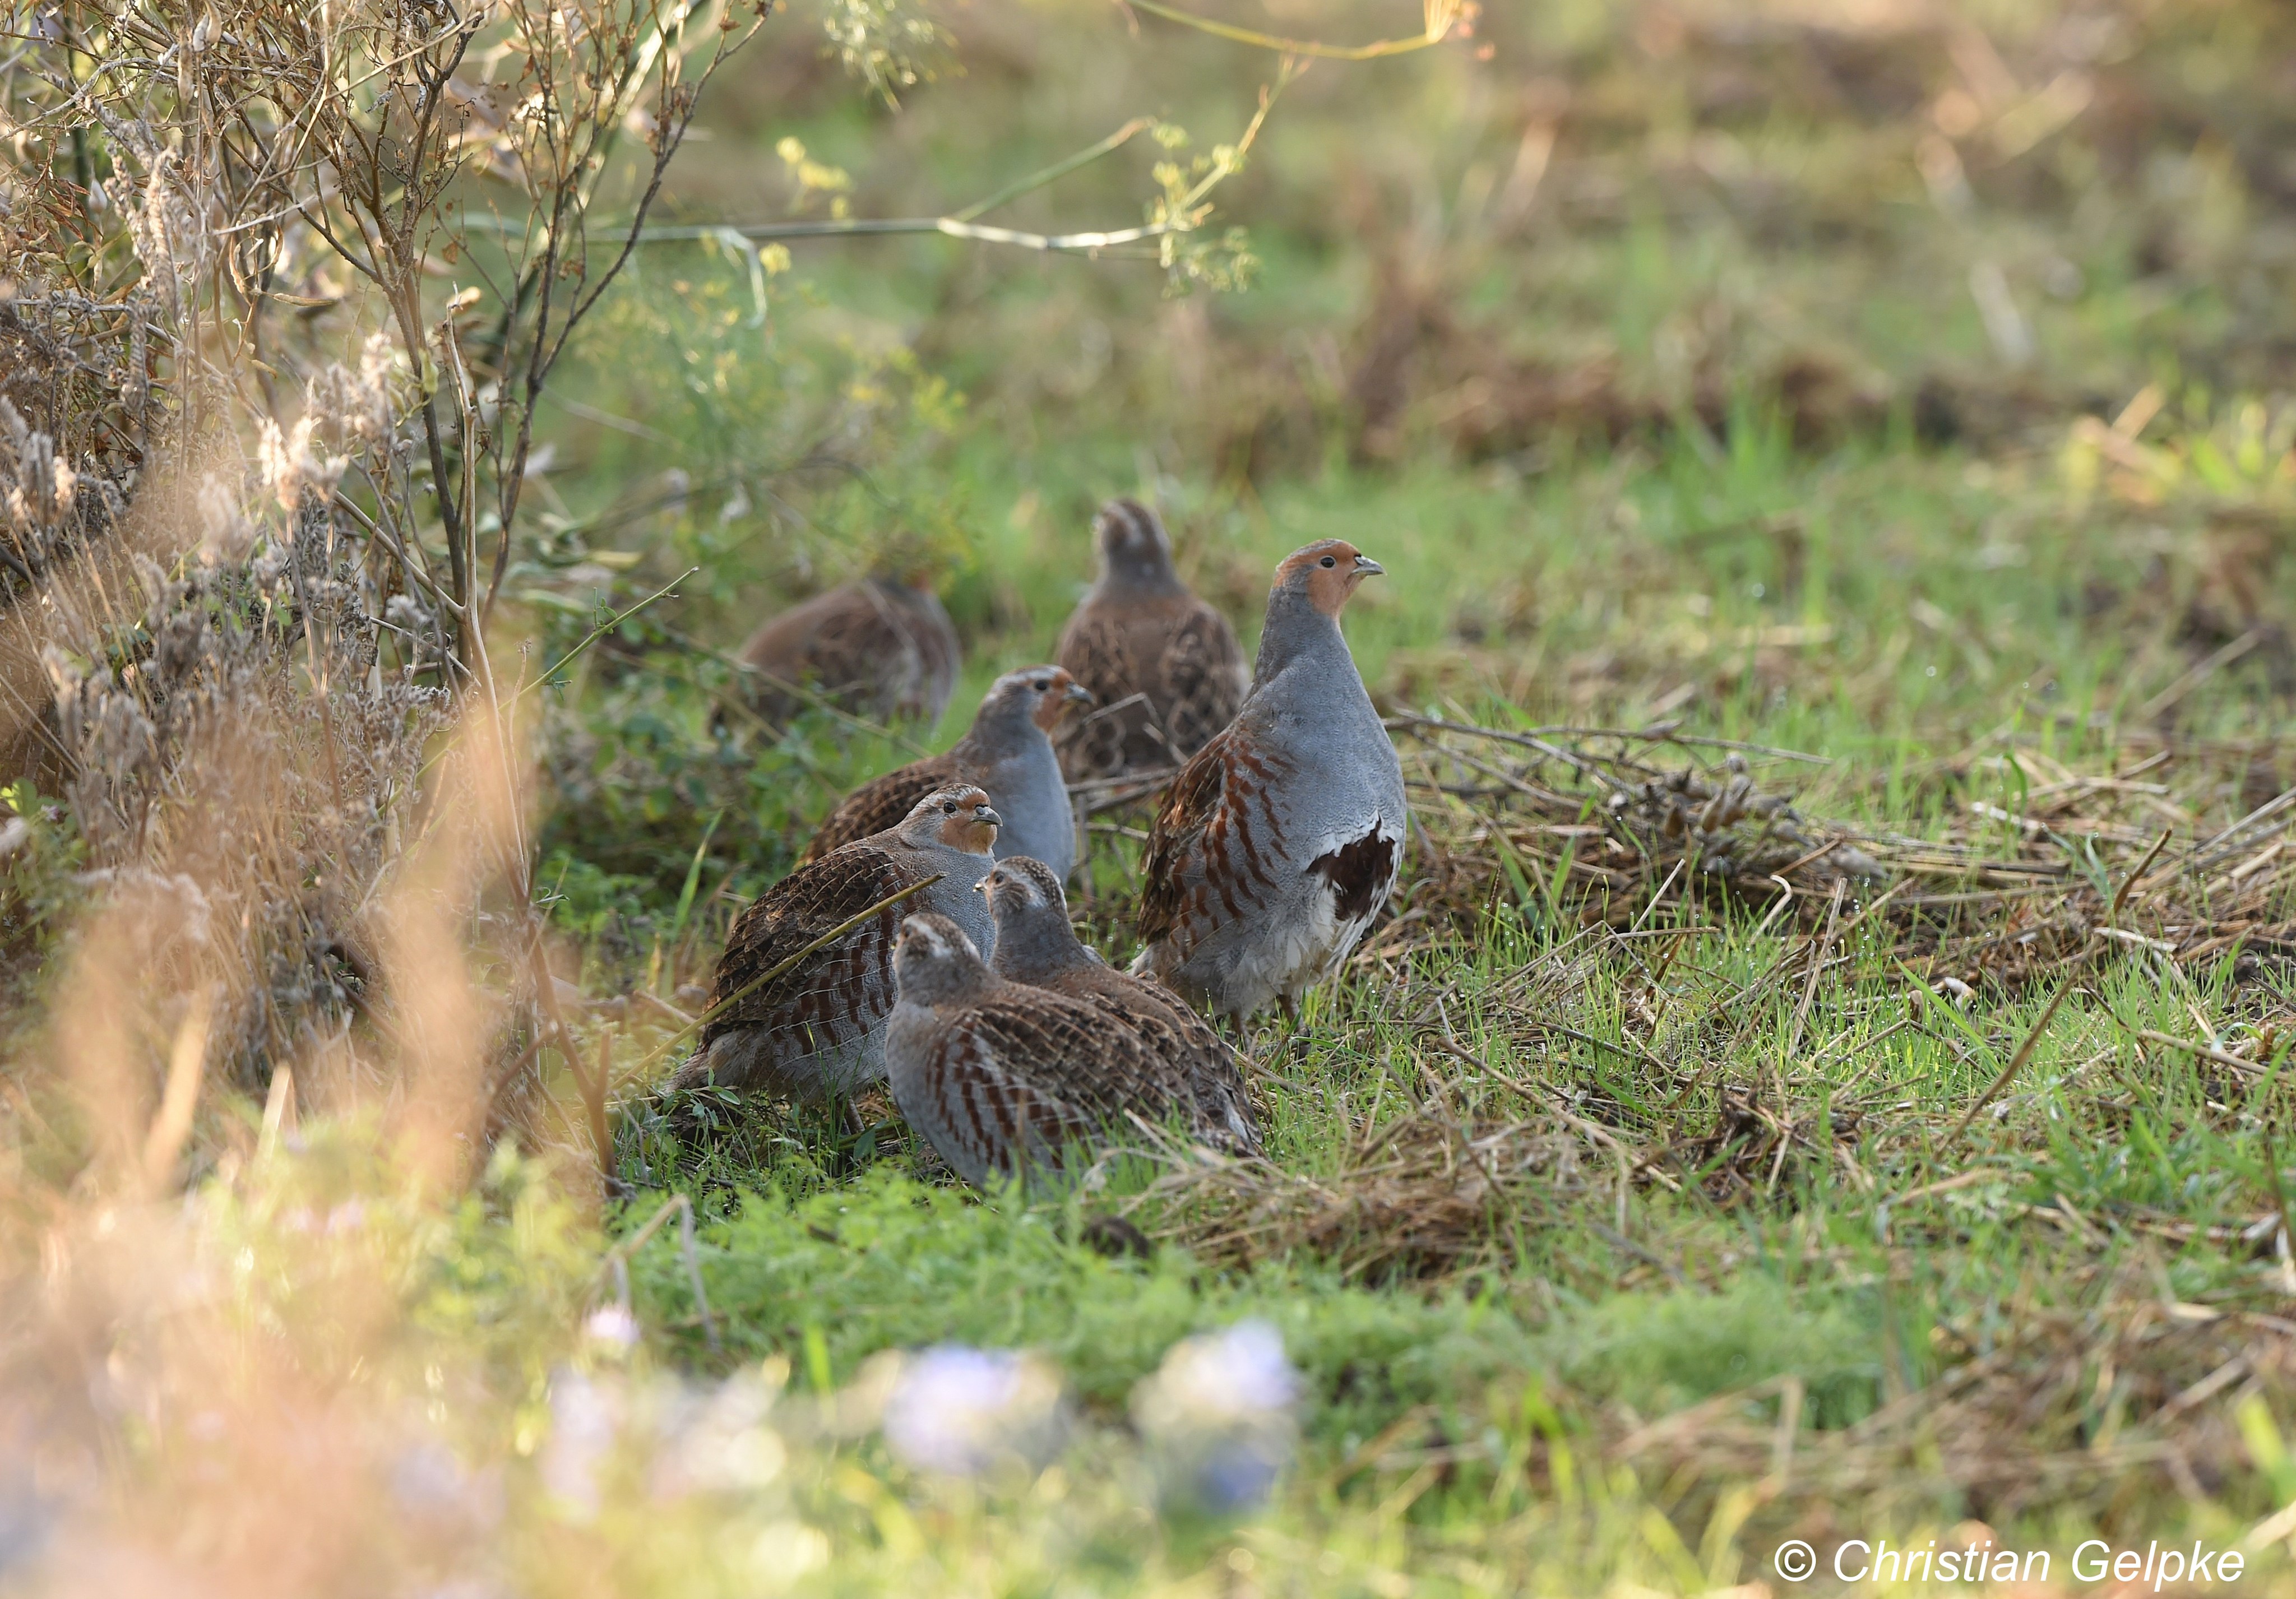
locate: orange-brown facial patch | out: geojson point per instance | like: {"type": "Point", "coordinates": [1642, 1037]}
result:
{"type": "Point", "coordinates": [980, 838]}
{"type": "Point", "coordinates": [973, 827]}
{"type": "Point", "coordinates": [1329, 571]}
{"type": "Point", "coordinates": [1060, 694]}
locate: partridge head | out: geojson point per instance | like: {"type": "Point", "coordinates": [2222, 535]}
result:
{"type": "Point", "coordinates": [957, 819]}
{"type": "Point", "coordinates": [1315, 581]}
{"type": "Point", "coordinates": [1135, 552]}
{"type": "Point", "coordinates": [936, 965]}
{"type": "Point", "coordinates": [1164, 665]}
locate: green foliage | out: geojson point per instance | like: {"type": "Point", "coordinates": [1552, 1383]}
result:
{"type": "Point", "coordinates": [888, 44]}
{"type": "Point", "coordinates": [761, 455]}
{"type": "Point", "coordinates": [40, 856]}
{"type": "Point", "coordinates": [1663, 1352]}
{"type": "Point", "coordinates": [889, 1263]}
{"type": "Point", "coordinates": [354, 1264]}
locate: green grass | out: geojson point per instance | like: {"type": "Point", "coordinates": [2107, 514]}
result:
{"type": "Point", "coordinates": [2019, 1322]}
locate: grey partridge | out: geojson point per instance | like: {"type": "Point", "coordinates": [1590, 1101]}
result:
{"type": "Point", "coordinates": [818, 1029]}
{"type": "Point", "coordinates": [1278, 843]}
{"type": "Point", "coordinates": [1007, 753]}
{"type": "Point", "coordinates": [1001, 1078]}
{"type": "Point", "coordinates": [1036, 946]}
{"type": "Point", "coordinates": [1140, 636]}
{"type": "Point", "coordinates": [878, 648]}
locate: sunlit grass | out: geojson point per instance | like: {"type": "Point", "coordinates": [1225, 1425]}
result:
{"type": "Point", "coordinates": [1608, 1249]}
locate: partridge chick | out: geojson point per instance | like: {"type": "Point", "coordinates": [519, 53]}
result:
{"type": "Point", "coordinates": [1278, 843]}
{"type": "Point", "coordinates": [878, 648]}
{"type": "Point", "coordinates": [1140, 632]}
{"type": "Point", "coordinates": [1007, 753]}
{"type": "Point", "coordinates": [818, 1029]}
{"type": "Point", "coordinates": [1037, 947]}
{"type": "Point", "coordinates": [1001, 1078]}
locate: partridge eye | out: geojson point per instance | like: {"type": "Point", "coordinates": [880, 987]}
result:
{"type": "Point", "coordinates": [1331, 561]}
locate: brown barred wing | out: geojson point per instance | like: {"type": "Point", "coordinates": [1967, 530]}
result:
{"type": "Point", "coordinates": [832, 995]}
{"type": "Point", "coordinates": [1204, 680]}
{"type": "Point", "coordinates": [1175, 841]}
{"type": "Point", "coordinates": [1215, 1078]}
{"type": "Point", "coordinates": [1093, 650]}
{"type": "Point", "coordinates": [862, 657]}
{"type": "Point", "coordinates": [1014, 1080]}
{"type": "Point", "coordinates": [1214, 847]}
{"type": "Point", "coordinates": [879, 805]}
{"type": "Point", "coordinates": [981, 1114]}
{"type": "Point", "coordinates": [1198, 1068]}
{"type": "Point", "coordinates": [1070, 1049]}
{"type": "Point", "coordinates": [838, 643]}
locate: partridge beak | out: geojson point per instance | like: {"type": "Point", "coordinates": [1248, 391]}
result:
{"type": "Point", "coordinates": [1366, 567]}
{"type": "Point", "coordinates": [981, 888]}
{"type": "Point", "coordinates": [982, 813]}
{"type": "Point", "coordinates": [1082, 695]}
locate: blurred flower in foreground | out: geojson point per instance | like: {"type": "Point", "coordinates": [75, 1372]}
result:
{"type": "Point", "coordinates": [584, 1417]}
{"type": "Point", "coordinates": [1218, 1415]}
{"type": "Point", "coordinates": [433, 1487]}
{"type": "Point", "coordinates": [960, 1411]}
{"type": "Point", "coordinates": [23, 1518]}
{"type": "Point", "coordinates": [612, 1326]}
{"type": "Point", "coordinates": [719, 1440]}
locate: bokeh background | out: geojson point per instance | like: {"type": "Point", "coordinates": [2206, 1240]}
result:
{"type": "Point", "coordinates": [1733, 360]}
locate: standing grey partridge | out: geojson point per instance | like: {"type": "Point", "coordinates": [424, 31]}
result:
{"type": "Point", "coordinates": [1140, 633]}
{"type": "Point", "coordinates": [818, 1029]}
{"type": "Point", "coordinates": [1000, 1078]}
{"type": "Point", "coordinates": [1007, 753]}
{"type": "Point", "coordinates": [878, 648]}
{"type": "Point", "coordinates": [1037, 947]}
{"type": "Point", "coordinates": [1279, 841]}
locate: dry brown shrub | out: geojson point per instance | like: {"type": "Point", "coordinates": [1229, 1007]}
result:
{"type": "Point", "coordinates": [247, 437]}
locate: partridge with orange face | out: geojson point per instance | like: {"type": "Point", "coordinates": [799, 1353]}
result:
{"type": "Point", "coordinates": [818, 1029]}
{"type": "Point", "coordinates": [1037, 947]}
{"type": "Point", "coordinates": [1164, 666]}
{"type": "Point", "coordinates": [1007, 753]}
{"type": "Point", "coordinates": [877, 647]}
{"type": "Point", "coordinates": [1278, 845]}
{"type": "Point", "coordinates": [1000, 1078]}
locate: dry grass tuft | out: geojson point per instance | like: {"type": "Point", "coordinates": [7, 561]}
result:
{"type": "Point", "coordinates": [1421, 1197]}
{"type": "Point", "coordinates": [1589, 820]}
{"type": "Point", "coordinates": [2062, 1404]}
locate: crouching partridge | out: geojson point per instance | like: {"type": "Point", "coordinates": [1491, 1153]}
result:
{"type": "Point", "coordinates": [878, 648]}
{"type": "Point", "coordinates": [1038, 947]}
{"type": "Point", "coordinates": [1000, 1078]}
{"type": "Point", "coordinates": [1141, 636]}
{"type": "Point", "coordinates": [817, 1029]}
{"type": "Point", "coordinates": [1007, 753]}
{"type": "Point", "coordinates": [1279, 841]}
